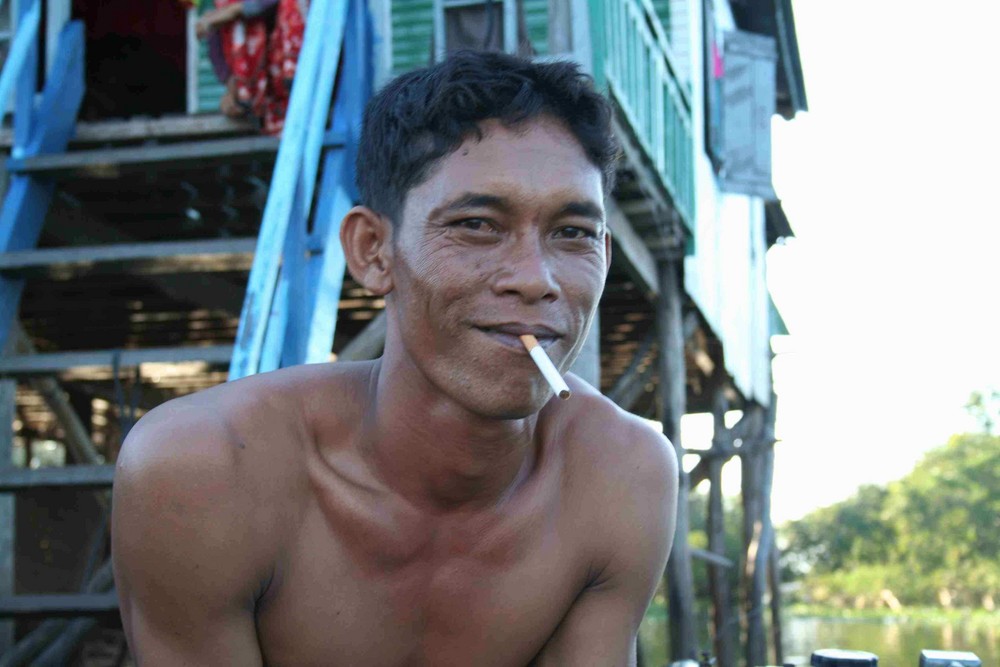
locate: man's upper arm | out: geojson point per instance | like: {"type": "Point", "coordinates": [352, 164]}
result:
{"type": "Point", "coordinates": [601, 626]}
{"type": "Point", "coordinates": [182, 545]}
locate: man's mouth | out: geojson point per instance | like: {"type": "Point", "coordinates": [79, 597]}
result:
{"type": "Point", "coordinates": [509, 334]}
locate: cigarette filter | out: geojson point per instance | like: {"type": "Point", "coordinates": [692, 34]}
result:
{"type": "Point", "coordinates": [545, 365]}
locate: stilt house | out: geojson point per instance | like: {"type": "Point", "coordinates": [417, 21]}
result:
{"type": "Point", "coordinates": [151, 247]}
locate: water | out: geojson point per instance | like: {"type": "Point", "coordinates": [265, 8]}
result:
{"type": "Point", "coordinates": [897, 643]}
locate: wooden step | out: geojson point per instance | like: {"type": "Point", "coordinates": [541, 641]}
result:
{"type": "Point", "coordinates": [113, 162]}
{"type": "Point", "coordinates": [55, 362]}
{"type": "Point", "coordinates": [139, 128]}
{"type": "Point", "coordinates": [75, 476]}
{"type": "Point", "coordinates": [58, 605]}
{"type": "Point", "coordinates": [206, 256]}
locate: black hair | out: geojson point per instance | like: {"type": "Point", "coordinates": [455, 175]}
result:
{"type": "Point", "coordinates": [422, 116]}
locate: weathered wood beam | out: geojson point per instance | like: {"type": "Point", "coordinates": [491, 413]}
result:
{"type": "Point", "coordinates": [774, 578]}
{"type": "Point", "coordinates": [55, 362]}
{"type": "Point", "coordinates": [632, 373]}
{"type": "Point", "coordinates": [639, 260]}
{"type": "Point", "coordinates": [740, 430]}
{"type": "Point", "coordinates": [757, 536]}
{"type": "Point", "coordinates": [110, 131]}
{"type": "Point", "coordinates": [58, 605]}
{"type": "Point", "coordinates": [8, 397]}
{"type": "Point", "coordinates": [670, 327]}
{"type": "Point", "coordinates": [49, 632]}
{"type": "Point", "coordinates": [69, 223]}
{"type": "Point", "coordinates": [77, 476]}
{"type": "Point", "coordinates": [725, 647]}
{"type": "Point", "coordinates": [77, 435]}
{"type": "Point", "coordinates": [712, 558]}
{"type": "Point", "coordinates": [113, 162]}
{"type": "Point", "coordinates": [213, 255]}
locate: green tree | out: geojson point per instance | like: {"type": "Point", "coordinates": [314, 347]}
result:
{"type": "Point", "coordinates": [932, 536]}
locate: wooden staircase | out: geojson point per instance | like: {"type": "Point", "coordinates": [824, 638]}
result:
{"type": "Point", "coordinates": [165, 253]}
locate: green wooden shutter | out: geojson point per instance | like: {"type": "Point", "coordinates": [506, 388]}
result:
{"type": "Point", "coordinates": [210, 89]}
{"type": "Point", "coordinates": [662, 8]}
{"type": "Point", "coordinates": [412, 32]}
{"type": "Point", "coordinates": [536, 17]}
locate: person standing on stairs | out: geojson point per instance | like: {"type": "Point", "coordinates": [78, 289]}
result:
{"type": "Point", "coordinates": [254, 47]}
{"type": "Point", "coordinates": [439, 505]}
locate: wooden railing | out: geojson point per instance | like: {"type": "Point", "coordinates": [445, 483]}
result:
{"type": "Point", "coordinates": [19, 68]}
{"type": "Point", "coordinates": [290, 308]}
{"type": "Point", "coordinates": [634, 59]}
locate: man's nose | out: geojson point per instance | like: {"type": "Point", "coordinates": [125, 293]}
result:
{"type": "Point", "coordinates": [528, 272]}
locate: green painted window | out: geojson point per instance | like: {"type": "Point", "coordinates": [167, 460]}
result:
{"type": "Point", "coordinates": [210, 89]}
{"type": "Point", "coordinates": [413, 31]}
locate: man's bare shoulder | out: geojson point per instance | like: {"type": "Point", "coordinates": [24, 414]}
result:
{"type": "Point", "coordinates": [229, 433]}
{"type": "Point", "coordinates": [623, 479]}
{"type": "Point", "coordinates": [617, 447]}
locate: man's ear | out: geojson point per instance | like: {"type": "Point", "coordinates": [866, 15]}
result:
{"type": "Point", "coordinates": [366, 238]}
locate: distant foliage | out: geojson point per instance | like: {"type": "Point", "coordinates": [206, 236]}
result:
{"type": "Point", "coordinates": [931, 538]}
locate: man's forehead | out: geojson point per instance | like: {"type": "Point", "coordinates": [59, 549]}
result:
{"type": "Point", "coordinates": [535, 160]}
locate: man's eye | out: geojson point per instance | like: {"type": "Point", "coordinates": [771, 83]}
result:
{"type": "Point", "coordinates": [576, 233]}
{"type": "Point", "coordinates": [474, 224]}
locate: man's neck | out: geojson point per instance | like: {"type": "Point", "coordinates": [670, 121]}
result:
{"type": "Point", "coordinates": [433, 451]}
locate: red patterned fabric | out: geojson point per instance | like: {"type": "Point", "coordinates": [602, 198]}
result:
{"type": "Point", "coordinates": [263, 65]}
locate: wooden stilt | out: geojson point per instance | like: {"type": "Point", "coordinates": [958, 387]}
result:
{"type": "Point", "coordinates": [8, 395]}
{"type": "Point", "coordinates": [680, 587]}
{"type": "Point", "coordinates": [757, 531]}
{"type": "Point", "coordinates": [772, 557]}
{"type": "Point", "coordinates": [725, 649]}
{"type": "Point", "coordinates": [588, 363]}
{"type": "Point", "coordinates": [776, 626]}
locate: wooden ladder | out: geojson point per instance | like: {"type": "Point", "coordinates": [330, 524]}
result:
{"type": "Point", "coordinates": [296, 265]}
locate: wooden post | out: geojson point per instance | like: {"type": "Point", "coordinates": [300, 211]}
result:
{"type": "Point", "coordinates": [8, 395]}
{"type": "Point", "coordinates": [588, 364]}
{"type": "Point", "coordinates": [725, 650]}
{"type": "Point", "coordinates": [776, 631]}
{"type": "Point", "coordinates": [758, 532]}
{"type": "Point", "coordinates": [680, 587]}
{"type": "Point", "coordinates": [772, 556]}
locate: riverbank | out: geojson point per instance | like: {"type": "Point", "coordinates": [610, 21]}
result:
{"type": "Point", "coordinates": [974, 617]}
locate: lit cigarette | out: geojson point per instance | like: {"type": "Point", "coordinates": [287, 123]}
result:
{"type": "Point", "coordinates": [546, 366]}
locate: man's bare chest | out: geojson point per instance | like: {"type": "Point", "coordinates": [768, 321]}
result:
{"type": "Point", "coordinates": [358, 598]}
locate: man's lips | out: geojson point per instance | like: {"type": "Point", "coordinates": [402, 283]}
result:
{"type": "Point", "coordinates": [510, 333]}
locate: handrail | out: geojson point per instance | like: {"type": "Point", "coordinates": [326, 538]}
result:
{"type": "Point", "coordinates": [292, 185]}
{"type": "Point", "coordinates": [643, 81]}
{"type": "Point", "coordinates": [24, 39]}
{"type": "Point", "coordinates": [664, 42]}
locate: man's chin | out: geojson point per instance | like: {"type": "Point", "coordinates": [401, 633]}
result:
{"type": "Point", "coordinates": [508, 406]}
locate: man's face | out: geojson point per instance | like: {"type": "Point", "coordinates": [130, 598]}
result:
{"type": "Point", "coordinates": [506, 237]}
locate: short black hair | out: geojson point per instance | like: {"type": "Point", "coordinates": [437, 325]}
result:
{"type": "Point", "coordinates": [422, 116]}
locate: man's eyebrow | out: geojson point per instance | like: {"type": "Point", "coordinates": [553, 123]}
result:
{"type": "Point", "coordinates": [468, 200]}
{"type": "Point", "coordinates": [583, 209]}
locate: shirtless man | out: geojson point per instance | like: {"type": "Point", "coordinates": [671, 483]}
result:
{"type": "Point", "coordinates": [437, 506]}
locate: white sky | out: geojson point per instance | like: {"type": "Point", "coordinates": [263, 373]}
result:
{"type": "Point", "coordinates": [890, 288]}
